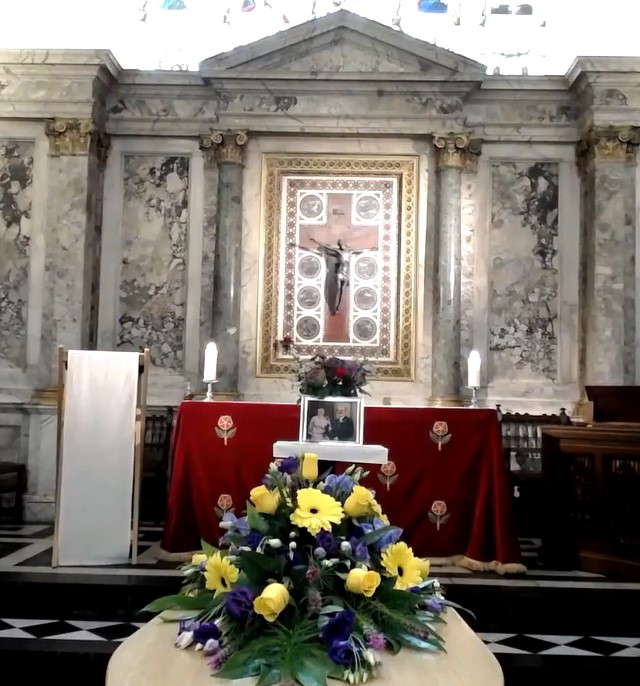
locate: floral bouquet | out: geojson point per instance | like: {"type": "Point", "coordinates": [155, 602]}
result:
{"type": "Point", "coordinates": [313, 582]}
{"type": "Point", "coordinates": [320, 376]}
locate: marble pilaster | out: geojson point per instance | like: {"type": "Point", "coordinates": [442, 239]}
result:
{"type": "Point", "coordinates": [607, 162]}
{"type": "Point", "coordinates": [227, 282]}
{"type": "Point", "coordinates": [454, 154]}
{"type": "Point", "coordinates": [77, 152]}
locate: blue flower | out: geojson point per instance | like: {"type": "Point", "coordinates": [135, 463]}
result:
{"type": "Point", "coordinates": [338, 485]}
{"type": "Point", "coordinates": [239, 524]}
{"type": "Point", "coordinates": [288, 466]}
{"type": "Point", "coordinates": [253, 539]}
{"type": "Point", "coordinates": [338, 628]}
{"type": "Point", "coordinates": [392, 536]}
{"type": "Point", "coordinates": [342, 653]}
{"type": "Point", "coordinates": [206, 631]}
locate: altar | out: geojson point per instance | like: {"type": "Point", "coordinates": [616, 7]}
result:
{"type": "Point", "coordinates": [444, 482]}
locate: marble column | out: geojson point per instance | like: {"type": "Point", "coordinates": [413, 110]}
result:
{"type": "Point", "coordinates": [607, 163]}
{"type": "Point", "coordinates": [452, 156]}
{"type": "Point", "coordinates": [228, 147]}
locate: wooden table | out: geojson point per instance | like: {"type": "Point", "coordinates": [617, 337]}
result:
{"type": "Point", "coordinates": [148, 658]}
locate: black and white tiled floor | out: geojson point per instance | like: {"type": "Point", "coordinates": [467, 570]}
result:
{"type": "Point", "coordinates": [499, 643]}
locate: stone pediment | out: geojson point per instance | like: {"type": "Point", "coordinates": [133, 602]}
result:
{"type": "Point", "coordinates": [339, 44]}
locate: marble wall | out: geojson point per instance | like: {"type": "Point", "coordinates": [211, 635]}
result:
{"type": "Point", "coordinates": [523, 309]}
{"type": "Point", "coordinates": [16, 170]}
{"type": "Point", "coordinates": [153, 281]}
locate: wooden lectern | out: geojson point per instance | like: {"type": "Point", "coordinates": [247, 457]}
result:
{"type": "Point", "coordinates": [591, 483]}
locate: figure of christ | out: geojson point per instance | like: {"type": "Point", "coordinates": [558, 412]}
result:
{"type": "Point", "coordinates": [337, 241]}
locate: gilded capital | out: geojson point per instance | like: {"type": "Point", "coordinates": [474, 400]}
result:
{"type": "Point", "coordinates": [617, 144]}
{"type": "Point", "coordinates": [69, 136]}
{"type": "Point", "coordinates": [451, 149]}
{"type": "Point", "coordinates": [227, 146]}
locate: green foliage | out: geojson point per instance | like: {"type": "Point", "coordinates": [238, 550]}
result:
{"type": "Point", "coordinates": [255, 520]}
{"type": "Point", "coordinates": [180, 602]}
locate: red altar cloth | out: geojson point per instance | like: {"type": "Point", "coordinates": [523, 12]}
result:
{"type": "Point", "coordinates": [450, 495]}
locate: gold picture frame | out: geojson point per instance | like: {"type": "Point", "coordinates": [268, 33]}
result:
{"type": "Point", "coordinates": [287, 180]}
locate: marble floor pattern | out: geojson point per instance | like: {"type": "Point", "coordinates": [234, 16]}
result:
{"type": "Point", "coordinates": [504, 643]}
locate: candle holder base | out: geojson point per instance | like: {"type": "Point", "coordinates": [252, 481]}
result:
{"type": "Point", "coordinates": [474, 397]}
{"type": "Point", "coordinates": [209, 396]}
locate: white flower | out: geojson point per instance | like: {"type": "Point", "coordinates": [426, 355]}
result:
{"type": "Point", "coordinates": [370, 657]}
{"type": "Point", "coordinates": [320, 553]}
{"type": "Point", "coordinates": [211, 645]}
{"type": "Point", "coordinates": [245, 549]}
{"type": "Point", "coordinates": [293, 545]}
{"type": "Point", "coordinates": [184, 640]}
{"type": "Point", "coordinates": [225, 525]}
{"type": "Point", "coordinates": [275, 542]}
{"type": "Point", "coordinates": [292, 534]}
{"type": "Point", "coordinates": [365, 677]}
{"type": "Point", "coordinates": [345, 546]}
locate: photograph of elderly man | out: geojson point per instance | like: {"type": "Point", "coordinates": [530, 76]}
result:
{"type": "Point", "coordinates": [342, 426]}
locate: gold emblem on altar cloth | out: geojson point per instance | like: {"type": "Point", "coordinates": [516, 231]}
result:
{"type": "Point", "coordinates": [438, 514]}
{"type": "Point", "coordinates": [224, 505]}
{"type": "Point", "coordinates": [440, 434]}
{"type": "Point", "coordinates": [388, 474]}
{"type": "Point", "coordinates": [225, 428]}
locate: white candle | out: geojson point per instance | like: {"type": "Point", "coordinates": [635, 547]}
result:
{"type": "Point", "coordinates": [473, 369]}
{"type": "Point", "coordinates": [210, 362]}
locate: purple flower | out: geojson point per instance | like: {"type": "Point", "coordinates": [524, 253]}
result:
{"type": "Point", "coordinates": [238, 602]}
{"type": "Point", "coordinates": [325, 540]}
{"type": "Point", "coordinates": [288, 466]}
{"type": "Point", "coordinates": [218, 658]}
{"type": "Point", "coordinates": [435, 605]}
{"type": "Point", "coordinates": [342, 653]}
{"type": "Point", "coordinates": [253, 539]}
{"type": "Point", "coordinates": [338, 628]}
{"type": "Point", "coordinates": [338, 485]}
{"type": "Point", "coordinates": [187, 625]}
{"type": "Point", "coordinates": [375, 641]}
{"type": "Point", "coordinates": [359, 550]}
{"type": "Point", "coordinates": [206, 631]}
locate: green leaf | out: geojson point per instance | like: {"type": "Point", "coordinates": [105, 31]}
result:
{"type": "Point", "coordinates": [208, 549]}
{"type": "Point", "coordinates": [420, 643]}
{"type": "Point", "coordinates": [310, 671]}
{"type": "Point", "coordinates": [255, 520]}
{"type": "Point", "coordinates": [399, 600]}
{"type": "Point", "coordinates": [258, 567]}
{"type": "Point", "coordinates": [176, 615]}
{"type": "Point", "coordinates": [377, 534]}
{"type": "Point", "coordinates": [394, 645]}
{"type": "Point", "coordinates": [240, 665]}
{"type": "Point", "coordinates": [269, 675]}
{"type": "Point", "coordinates": [180, 602]}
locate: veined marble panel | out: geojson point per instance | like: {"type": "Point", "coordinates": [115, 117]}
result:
{"type": "Point", "coordinates": [523, 249]}
{"type": "Point", "coordinates": [16, 170]}
{"type": "Point", "coordinates": [154, 240]}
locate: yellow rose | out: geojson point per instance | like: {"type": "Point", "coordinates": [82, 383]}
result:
{"type": "Point", "coordinates": [358, 504]}
{"type": "Point", "coordinates": [198, 558]}
{"type": "Point", "coordinates": [271, 602]}
{"type": "Point", "coordinates": [362, 582]}
{"type": "Point", "coordinates": [423, 567]}
{"type": "Point", "coordinates": [309, 466]}
{"type": "Point", "coordinates": [264, 500]}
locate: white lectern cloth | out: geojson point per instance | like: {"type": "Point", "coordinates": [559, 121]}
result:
{"type": "Point", "coordinates": [96, 484]}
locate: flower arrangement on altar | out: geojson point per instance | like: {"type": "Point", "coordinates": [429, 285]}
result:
{"type": "Point", "coordinates": [312, 582]}
{"type": "Point", "coordinates": [320, 376]}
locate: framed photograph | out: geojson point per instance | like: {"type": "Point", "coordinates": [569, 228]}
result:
{"type": "Point", "coordinates": [331, 419]}
{"type": "Point", "coordinates": [338, 261]}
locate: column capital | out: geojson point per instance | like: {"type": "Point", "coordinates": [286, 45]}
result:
{"type": "Point", "coordinates": [457, 151]}
{"type": "Point", "coordinates": [227, 146]}
{"type": "Point", "coordinates": [610, 143]}
{"type": "Point", "coordinates": [69, 136]}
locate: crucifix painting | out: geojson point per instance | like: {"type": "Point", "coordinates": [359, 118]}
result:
{"type": "Point", "coordinates": [338, 265]}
